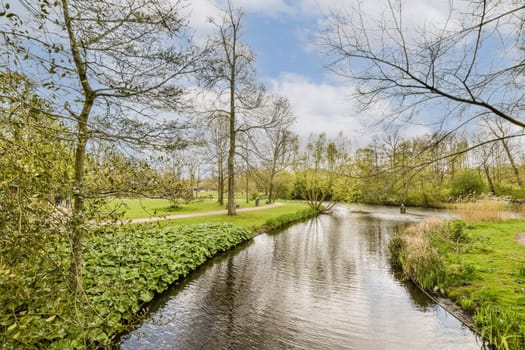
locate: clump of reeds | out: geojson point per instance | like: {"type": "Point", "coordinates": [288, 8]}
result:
{"type": "Point", "coordinates": [420, 261]}
{"type": "Point", "coordinates": [481, 209]}
{"type": "Point", "coordinates": [500, 327]}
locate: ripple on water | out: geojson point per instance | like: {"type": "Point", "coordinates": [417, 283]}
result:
{"type": "Point", "coordinates": [322, 284]}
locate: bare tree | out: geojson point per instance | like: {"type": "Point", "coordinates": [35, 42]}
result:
{"type": "Point", "coordinates": [273, 144]}
{"type": "Point", "coordinates": [217, 146]}
{"type": "Point", "coordinates": [451, 74]}
{"type": "Point", "coordinates": [109, 67]}
{"type": "Point", "coordinates": [501, 132]}
{"type": "Point", "coordinates": [230, 73]}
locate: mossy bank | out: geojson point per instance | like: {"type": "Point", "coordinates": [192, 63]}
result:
{"type": "Point", "coordinates": [480, 267]}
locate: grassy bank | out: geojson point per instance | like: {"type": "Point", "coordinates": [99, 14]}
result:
{"type": "Point", "coordinates": [480, 267]}
{"type": "Point", "coordinates": [254, 220]}
{"type": "Point", "coordinates": [124, 268]}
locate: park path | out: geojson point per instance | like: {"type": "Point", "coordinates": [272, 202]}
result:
{"type": "Point", "coordinates": [521, 238]}
{"type": "Point", "coordinates": [195, 215]}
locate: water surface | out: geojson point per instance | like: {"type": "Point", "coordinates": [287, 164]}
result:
{"type": "Point", "coordinates": [322, 284]}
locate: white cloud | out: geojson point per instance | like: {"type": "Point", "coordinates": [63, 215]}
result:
{"type": "Point", "coordinates": [323, 107]}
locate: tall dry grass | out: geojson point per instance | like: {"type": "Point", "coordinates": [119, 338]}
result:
{"type": "Point", "coordinates": [419, 259]}
{"type": "Point", "coordinates": [484, 209]}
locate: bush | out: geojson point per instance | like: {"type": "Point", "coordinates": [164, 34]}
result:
{"type": "Point", "coordinates": [467, 183]}
{"type": "Point", "coordinates": [456, 231]}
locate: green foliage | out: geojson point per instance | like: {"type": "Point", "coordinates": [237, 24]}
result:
{"type": "Point", "coordinates": [521, 271]}
{"type": "Point", "coordinates": [122, 270]}
{"type": "Point", "coordinates": [467, 183]}
{"type": "Point", "coordinates": [483, 272]}
{"type": "Point", "coordinates": [286, 219]}
{"type": "Point", "coordinates": [456, 231]}
{"type": "Point", "coordinates": [502, 328]}
{"type": "Point", "coordinates": [467, 304]}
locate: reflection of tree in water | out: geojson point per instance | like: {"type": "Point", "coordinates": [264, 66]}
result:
{"type": "Point", "coordinates": [306, 287]}
{"type": "Point", "coordinates": [314, 255]}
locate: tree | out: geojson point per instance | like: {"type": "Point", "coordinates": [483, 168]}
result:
{"type": "Point", "coordinates": [273, 145]}
{"type": "Point", "coordinates": [108, 67]}
{"type": "Point", "coordinates": [229, 71]}
{"type": "Point", "coordinates": [217, 144]}
{"type": "Point", "coordinates": [454, 73]}
{"type": "Point", "coordinates": [318, 168]}
{"type": "Point", "coordinates": [500, 132]}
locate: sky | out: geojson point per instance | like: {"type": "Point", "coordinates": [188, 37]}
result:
{"type": "Point", "coordinates": [284, 34]}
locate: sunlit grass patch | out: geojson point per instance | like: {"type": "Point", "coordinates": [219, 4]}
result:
{"type": "Point", "coordinates": [479, 266]}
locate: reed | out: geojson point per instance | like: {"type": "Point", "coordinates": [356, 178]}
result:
{"type": "Point", "coordinates": [420, 261]}
{"type": "Point", "coordinates": [483, 209]}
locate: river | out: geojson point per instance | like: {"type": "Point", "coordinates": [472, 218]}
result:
{"type": "Point", "coordinates": [326, 283]}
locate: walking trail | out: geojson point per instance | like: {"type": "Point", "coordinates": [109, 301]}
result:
{"type": "Point", "coordinates": [195, 215]}
{"type": "Point", "coordinates": [521, 238]}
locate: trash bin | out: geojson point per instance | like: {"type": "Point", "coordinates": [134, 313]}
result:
{"type": "Point", "coordinates": [257, 202]}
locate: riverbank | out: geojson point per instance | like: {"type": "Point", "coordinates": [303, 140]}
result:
{"type": "Point", "coordinates": [480, 267]}
{"type": "Point", "coordinates": [124, 269]}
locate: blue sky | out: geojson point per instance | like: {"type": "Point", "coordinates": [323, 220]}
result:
{"type": "Point", "coordinates": [279, 45]}
{"type": "Point", "coordinates": [283, 34]}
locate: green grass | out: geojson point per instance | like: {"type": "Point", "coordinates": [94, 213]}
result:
{"type": "Point", "coordinates": [482, 268]}
{"type": "Point", "coordinates": [251, 220]}
{"type": "Point", "coordinates": [146, 207]}
{"type": "Point", "coordinates": [496, 258]}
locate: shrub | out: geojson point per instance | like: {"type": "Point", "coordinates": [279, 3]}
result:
{"type": "Point", "coordinates": [467, 183]}
{"type": "Point", "coordinates": [456, 231]}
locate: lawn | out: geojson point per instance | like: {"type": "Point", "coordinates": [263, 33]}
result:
{"type": "Point", "coordinates": [251, 220]}
{"type": "Point", "coordinates": [480, 266]}
{"type": "Point", "coordinates": [146, 207]}
{"type": "Point", "coordinates": [498, 264]}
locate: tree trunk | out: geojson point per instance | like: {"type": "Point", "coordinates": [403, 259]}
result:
{"type": "Point", "coordinates": [231, 169]}
{"type": "Point", "coordinates": [78, 219]}
{"type": "Point", "coordinates": [231, 150]}
{"type": "Point", "coordinates": [220, 181]}
{"type": "Point", "coordinates": [489, 179]}
{"type": "Point", "coordinates": [270, 188]}
{"type": "Point", "coordinates": [233, 133]}
{"type": "Point", "coordinates": [247, 185]}
{"type": "Point", "coordinates": [512, 164]}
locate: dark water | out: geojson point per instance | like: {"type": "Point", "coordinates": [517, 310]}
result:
{"type": "Point", "coordinates": [322, 284]}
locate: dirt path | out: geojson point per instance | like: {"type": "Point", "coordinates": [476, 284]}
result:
{"type": "Point", "coordinates": [195, 215]}
{"type": "Point", "coordinates": [521, 239]}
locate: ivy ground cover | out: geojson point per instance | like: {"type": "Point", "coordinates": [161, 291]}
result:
{"type": "Point", "coordinates": [123, 270]}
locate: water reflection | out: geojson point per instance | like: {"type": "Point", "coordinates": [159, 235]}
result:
{"type": "Point", "coordinates": [323, 284]}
